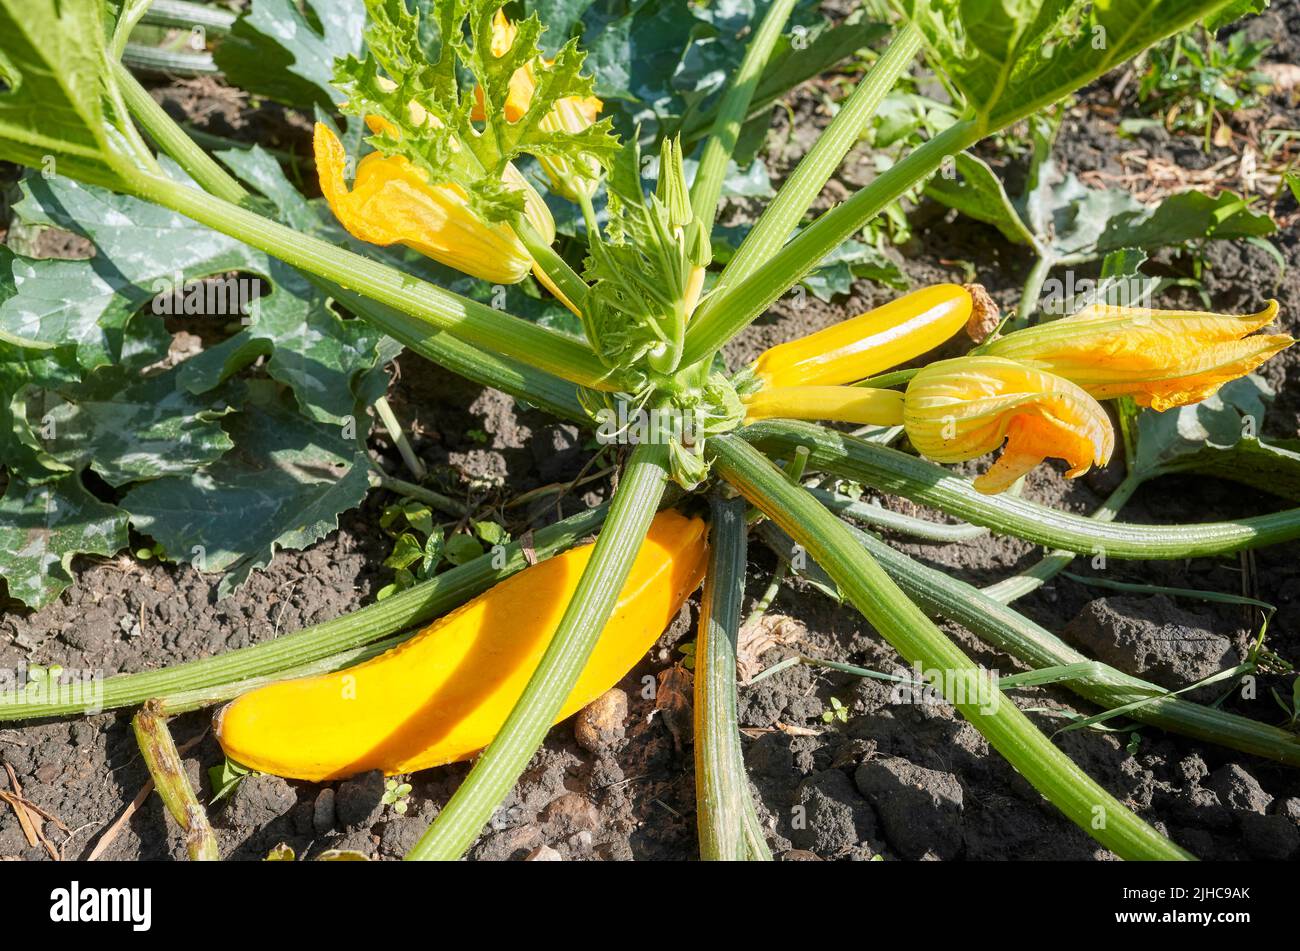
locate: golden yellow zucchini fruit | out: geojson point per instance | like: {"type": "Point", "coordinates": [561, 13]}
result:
{"type": "Point", "coordinates": [442, 696]}
{"type": "Point", "coordinates": [869, 343]}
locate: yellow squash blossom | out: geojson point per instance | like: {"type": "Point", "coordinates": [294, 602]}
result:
{"type": "Point", "coordinates": [960, 409]}
{"type": "Point", "coordinates": [864, 345]}
{"type": "Point", "coordinates": [1162, 358]}
{"type": "Point", "coordinates": [844, 404]}
{"type": "Point", "coordinates": [392, 202]}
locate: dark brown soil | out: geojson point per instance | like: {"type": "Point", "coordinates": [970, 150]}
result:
{"type": "Point", "coordinates": [902, 781]}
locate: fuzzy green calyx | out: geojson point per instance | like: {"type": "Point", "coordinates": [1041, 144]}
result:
{"type": "Point", "coordinates": [679, 415]}
{"type": "Point", "coordinates": [644, 269]}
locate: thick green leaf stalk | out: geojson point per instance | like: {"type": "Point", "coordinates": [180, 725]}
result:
{"type": "Point", "coordinates": [963, 683]}
{"type": "Point", "coordinates": [173, 785]}
{"type": "Point", "coordinates": [784, 212]}
{"type": "Point", "coordinates": [521, 380]}
{"type": "Point", "coordinates": [496, 770]}
{"type": "Point", "coordinates": [897, 473]}
{"type": "Point", "coordinates": [722, 794]}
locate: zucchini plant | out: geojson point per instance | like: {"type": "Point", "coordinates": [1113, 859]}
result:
{"type": "Point", "coordinates": [454, 119]}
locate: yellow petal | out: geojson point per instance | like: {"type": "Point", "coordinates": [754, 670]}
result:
{"type": "Point", "coordinates": [1162, 358]}
{"type": "Point", "coordinates": [864, 345]}
{"type": "Point", "coordinates": [391, 202]}
{"type": "Point", "coordinates": [503, 33]}
{"type": "Point", "coordinates": [846, 404]}
{"type": "Point", "coordinates": [960, 409]}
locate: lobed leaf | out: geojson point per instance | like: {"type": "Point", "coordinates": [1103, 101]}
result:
{"type": "Point", "coordinates": [1010, 58]}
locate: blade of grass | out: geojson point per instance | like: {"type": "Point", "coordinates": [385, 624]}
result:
{"type": "Point", "coordinates": [915, 637]}
{"type": "Point", "coordinates": [1220, 597]}
{"type": "Point", "coordinates": [721, 786]}
{"type": "Point", "coordinates": [496, 770]}
{"type": "Point", "coordinates": [894, 472]}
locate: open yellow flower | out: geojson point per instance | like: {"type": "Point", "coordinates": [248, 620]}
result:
{"type": "Point", "coordinates": [864, 345]}
{"type": "Point", "coordinates": [844, 404]}
{"type": "Point", "coordinates": [1162, 358]}
{"type": "Point", "coordinates": [959, 409]}
{"type": "Point", "coordinates": [392, 202]}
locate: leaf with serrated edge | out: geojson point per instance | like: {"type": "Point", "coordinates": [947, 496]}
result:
{"type": "Point", "coordinates": [1010, 58]}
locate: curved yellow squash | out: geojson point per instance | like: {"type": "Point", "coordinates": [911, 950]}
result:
{"type": "Point", "coordinates": [869, 343]}
{"type": "Point", "coordinates": [442, 696]}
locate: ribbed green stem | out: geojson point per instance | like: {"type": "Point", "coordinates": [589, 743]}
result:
{"type": "Point", "coordinates": [410, 490]}
{"type": "Point", "coordinates": [473, 322]}
{"type": "Point", "coordinates": [891, 471]}
{"type": "Point", "coordinates": [564, 277]}
{"type": "Point", "coordinates": [1050, 565]}
{"type": "Point", "coordinates": [779, 78]}
{"type": "Point", "coordinates": [184, 701]}
{"type": "Point", "coordinates": [522, 381]}
{"type": "Point", "coordinates": [185, 16]}
{"type": "Point", "coordinates": [963, 683]}
{"type": "Point", "coordinates": [721, 316]}
{"type": "Point", "coordinates": [397, 613]}
{"type": "Point", "coordinates": [1008, 630]}
{"type": "Point", "coordinates": [593, 600]}
{"type": "Point", "coordinates": [721, 786]}
{"type": "Point", "coordinates": [398, 435]}
{"type": "Point", "coordinates": [174, 62]}
{"type": "Point", "coordinates": [173, 785]}
{"type": "Point", "coordinates": [805, 183]}
{"type": "Point", "coordinates": [712, 170]}
{"type": "Point", "coordinates": [896, 521]}
{"type": "Point", "coordinates": [171, 138]}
